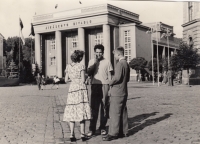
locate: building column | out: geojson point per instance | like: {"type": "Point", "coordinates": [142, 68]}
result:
{"type": "Point", "coordinates": [58, 54]}
{"type": "Point", "coordinates": [81, 41]}
{"type": "Point", "coordinates": [37, 50]}
{"type": "Point", "coordinates": [163, 52]}
{"type": "Point", "coordinates": [106, 41]}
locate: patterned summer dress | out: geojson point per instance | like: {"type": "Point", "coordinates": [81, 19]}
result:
{"type": "Point", "coordinates": [77, 107]}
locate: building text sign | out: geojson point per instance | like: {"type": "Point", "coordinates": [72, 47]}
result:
{"type": "Point", "coordinates": [67, 24]}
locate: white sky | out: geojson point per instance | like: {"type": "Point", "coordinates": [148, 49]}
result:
{"type": "Point", "coordinates": [170, 13]}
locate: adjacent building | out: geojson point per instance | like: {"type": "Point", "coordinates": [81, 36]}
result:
{"type": "Point", "coordinates": [191, 23]}
{"type": "Point", "coordinates": [1, 52]}
{"type": "Point", "coordinates": [57, 35]}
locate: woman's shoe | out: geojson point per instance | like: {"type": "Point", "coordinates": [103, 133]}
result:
{"type": "Point", "coordinates": [72, 139]}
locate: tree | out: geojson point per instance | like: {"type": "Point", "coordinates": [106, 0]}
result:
{"type": "Point", "coordinates": [164, 62]}
{"type": "Point", "coordinates": [12, 48]}
{"type": "Point", "coordinates": [186, 57]}
{"type": "Point", "coordinates": [138, 63]}
{"type": "Point", "coordinates": [13, 70]}
{"type": "Point", "coordinates": [155, 65]}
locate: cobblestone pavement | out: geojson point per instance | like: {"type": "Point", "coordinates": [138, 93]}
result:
{"type": "Point", "coordinates": [161, 115]}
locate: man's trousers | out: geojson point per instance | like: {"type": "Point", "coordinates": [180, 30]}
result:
{"type": "Point", "coordinates": [118, 116]}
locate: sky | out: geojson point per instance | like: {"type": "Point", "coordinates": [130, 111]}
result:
{"type": "Point", "coordinates": [170, 13]}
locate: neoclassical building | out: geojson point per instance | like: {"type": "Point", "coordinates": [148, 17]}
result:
{"type": "Point", "coordinates": [58, 34]}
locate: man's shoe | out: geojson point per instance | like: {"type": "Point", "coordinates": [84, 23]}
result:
{"type": "Point", "coordinates": [90, 134]}
{"type": "Point", "coordinates": [109, 138]}
{"type": "Point", "coordinates": [123, 135]}
{"type": "Point", "coordinates": [103, 132]}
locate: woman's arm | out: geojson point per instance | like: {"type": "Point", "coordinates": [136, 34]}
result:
{"type": "Point", "coordinates": [83, 76]}
{"type": "Point", "coordinates": [66, 77]}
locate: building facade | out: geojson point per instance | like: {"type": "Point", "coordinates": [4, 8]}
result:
{"type": "Point", "coordinates": [191, 23]}
{"type": "Point", "coordinates": [57, 35]}
{"type": "Point", "coordinates": [1, 52]}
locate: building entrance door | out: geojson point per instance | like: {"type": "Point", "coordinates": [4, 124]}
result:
{"type": "Point", "coordinates": [72, 44]}
{"type": "Point", "coordinates": [92, 38]}
{"type": "Point", "coordinates": [50, 48]}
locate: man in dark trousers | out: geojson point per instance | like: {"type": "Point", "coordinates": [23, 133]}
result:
{"type": "Point", "coordinates": [99, 69]}
{"type": "Point", "coordinates": [118, 126]}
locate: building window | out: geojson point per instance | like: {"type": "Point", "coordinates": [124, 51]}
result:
{"type": "Point", "coordinates": [74, 41]}
{"type": "Point", "coordinates": [127, 45]}
{"type": "Point", "coordinates": [52, 44]}
{"type": "Point", "coordinates": [53, 61]}
{"type": "Point", "coordinates": [190, 10]}
{"type": "Point", "coordinates": [98, 38]}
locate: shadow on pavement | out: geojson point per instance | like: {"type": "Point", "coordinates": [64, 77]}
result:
{"type": "Point", "coordinates": [133, 98]}
{"type": "Point", "coordinates": [36, 95]}
{"type": "Point", "coordinates": [135, 126]}
{"type": "Point", "coordinates": [141, 87]}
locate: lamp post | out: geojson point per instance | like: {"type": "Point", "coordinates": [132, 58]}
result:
{"type": "Point", "coordinates": [157, 54]}
{"type": "Point", "coordinates": [151, 31]}
{"type": "Point", "coordinates": [167, 34]}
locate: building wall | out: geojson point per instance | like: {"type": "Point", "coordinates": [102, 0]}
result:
{"type": "Point", "coordinates": [1, 52]}
{"type": "Point", "coordinates": [196, 11]}
{"type": "Point", "coordinates": [143, 43]}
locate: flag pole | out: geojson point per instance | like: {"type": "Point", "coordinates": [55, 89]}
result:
{"type": "Point", "coordinates": [168, 48]}
{"type": "Point", "coordinates": [157, 54]}
{"type": "Point", "coordinates": [152, 59]}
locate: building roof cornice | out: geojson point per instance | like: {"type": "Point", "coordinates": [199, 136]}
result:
{"type": "Point", "coordinates": [86, 12]}
{"type": "Point", "coordinates": [2, 35]}
{"type": "Point", "coordinates": [190, 22]}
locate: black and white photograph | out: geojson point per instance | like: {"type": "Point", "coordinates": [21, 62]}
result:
{"type": "Point", "coordinates": [99, 72]}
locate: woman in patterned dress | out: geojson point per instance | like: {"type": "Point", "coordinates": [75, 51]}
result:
{"type": "Point", "coordinates": [77, 107]}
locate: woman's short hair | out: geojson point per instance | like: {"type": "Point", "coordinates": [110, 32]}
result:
{"type": "Point", "coordinates": [99, 46]}
{"type": "Point", "coordinates": [77, 56]}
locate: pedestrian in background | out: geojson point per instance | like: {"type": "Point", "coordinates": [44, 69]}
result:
{"type": "Point", "coordinates": [38, 80]}
{"type": "Point", "coordinates": [99, 69]}
{"type": "Point", "coordinates": [170, 77]}
{"type": "Point", "coordinates": [43, 82]}
{"type": "Point", "coordinates": [118, 126]}
{"type": "Point", "coordinates": [56, 81]}
{"type": "Point", "coordinates": [77, 107]}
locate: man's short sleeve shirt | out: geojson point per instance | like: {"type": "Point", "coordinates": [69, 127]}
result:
{"type": "Point", "coordinates": [101, 71]}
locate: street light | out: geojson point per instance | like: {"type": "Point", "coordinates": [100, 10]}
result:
{"type": "Point", "coordinates": [167, 34]}
{"type": "Point", "coordinates": [151, 31]}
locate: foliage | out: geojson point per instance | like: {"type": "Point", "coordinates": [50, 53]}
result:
{"type": "Point", "coordinates": [155, 65]}
{"type": "Point", "coordinates": [138, 63]}
{"type": "Point", "coordinates": [27, 49]}
{"type": "Point", "coordinates": [164, 62]}
{"type": "Point", "coordinates": [12, 53]}
{"type": "Point", "coordinates": [187, 57]}
{"type": "Point", "coordinates": [12, 70]}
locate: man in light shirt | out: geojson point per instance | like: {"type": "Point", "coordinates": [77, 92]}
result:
{"type": "Point", "coordinates": [99, 69]}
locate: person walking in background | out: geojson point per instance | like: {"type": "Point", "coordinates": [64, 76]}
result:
{"type": "Point", "coordinates": [56, 81]}
{"type": "Point", "coordinates": [43, 82]}
{"type": "Point", "coordinates": [77, 107]}
{"type": "Point", "coordinates": [38, 80]}
{"type": "Point", "coordinates": [170, 77]}
{"type": "Point", "coordinates": [160, 78]}
{"type": "Point", "coordinates": [180, 76]}
{"type": "Point", "coordinates": [99, 69]}
{"type": "Point", "coordinates": [165, 78]}
{"type": "Point", "coordinates": [146, 77]}
{"type": "Point", "coordinates": [118, 126]}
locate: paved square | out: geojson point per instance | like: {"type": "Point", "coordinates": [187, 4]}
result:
{"type": "Point", "coordinates": [160, 115]}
